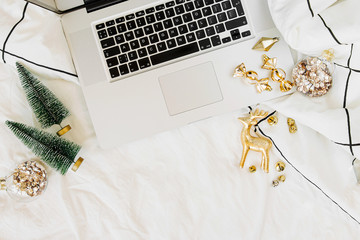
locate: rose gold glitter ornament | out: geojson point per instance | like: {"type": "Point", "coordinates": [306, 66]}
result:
{"type": "Point", "coordinates": [27, 182]}
{"type": "Point", "coordinates": [312, 75]}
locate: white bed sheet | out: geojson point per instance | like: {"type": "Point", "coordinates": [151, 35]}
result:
{"type": "Point", "coordinates": [184, 183]}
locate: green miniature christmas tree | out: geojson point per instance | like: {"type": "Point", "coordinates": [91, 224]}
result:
{"type": "Point", "coordinates": [58, 153]}
{"type": "Point", "coordinates": [45, 105]}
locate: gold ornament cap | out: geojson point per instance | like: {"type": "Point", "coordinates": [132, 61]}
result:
{"type": "Point", "coordinates": [2, 184]}
{"type": "Point", "coordinates": [280, 166]}
{"type": "Point", "coordinates": [63, 130]}
{"type": "Point", "coordinates": [281, 178]}
{"type": "Point", "coordinates": [265, 43]}
{"type": "Point", "coordinates": [252, 169]}
{"type": "Point", "coordinates": [77, 164]}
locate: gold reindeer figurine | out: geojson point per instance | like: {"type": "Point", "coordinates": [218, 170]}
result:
{"type": "Point", "coordinates": [259, 143]}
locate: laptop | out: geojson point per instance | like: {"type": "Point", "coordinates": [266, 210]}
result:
{"type": "Point", "coordinates": [147, 66]}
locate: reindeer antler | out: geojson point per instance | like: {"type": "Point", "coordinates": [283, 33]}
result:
{"type": "Point", "coordinates": [258, 114]}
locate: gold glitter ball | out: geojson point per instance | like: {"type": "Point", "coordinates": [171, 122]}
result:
{"type": "Point", "coordinates": [282, 178]}
{"type": "Point", "coordinates": [280, 166]}
{"type": "Point", "coordinates": [252, 169]}
{"type": "Point", "coordinates": [272, 120]}
{"type": "Point", "coordinates": [312, 76]}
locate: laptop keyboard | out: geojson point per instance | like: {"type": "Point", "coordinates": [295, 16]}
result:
{"type": "Point", "coordinates": [140, 41]}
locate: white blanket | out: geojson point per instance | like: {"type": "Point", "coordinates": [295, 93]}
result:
{"type": "Point", "coordinates": [186, 183]}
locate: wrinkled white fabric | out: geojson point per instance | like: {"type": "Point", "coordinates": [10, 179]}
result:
{"type": "Point", "coordinates": [186, 183]}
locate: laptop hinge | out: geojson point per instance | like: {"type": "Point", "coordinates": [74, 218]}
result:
{"type": "Point", "coordinates": [93, 5]}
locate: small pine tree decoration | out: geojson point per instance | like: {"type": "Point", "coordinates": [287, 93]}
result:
{"type": "Point", "coordinates": [58, 153]}
{"type": "Point", "coordinates": [45, 105]}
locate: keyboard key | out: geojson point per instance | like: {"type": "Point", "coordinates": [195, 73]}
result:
{"type": "Point", "coordinates": [140, 13]}
{"type": "Point", "coordinates": [134, 44]}
{"type": "Point", "coordinates": [123, 69]}
{"type": "Point", "coordinates": [144, 41]}
{"type": "Point", "coordinates": [226, 5]}
{"type": "Point", "coordinates": [129, 36]}
{"type": "Point", "coordinates": [168, 24]}
{"type": "Point", "coordinates": [179, 9]}
{"type": "Point", "coordinates": [216, 8]}
{"type": "Point", "coordinates": [200, 34]}
{"type": "Point", "coordinates": [144, 63]}
{"type": "Point", "coordinates": [179, 1]}
{"type": "Point", "coordinates": [132, 55]}
{"type": "Point", "coordinates": [231, 14]}
{"type": "Point", "coordinates": [163, 35]}
{"type": "Point", "coordinates": [142, 52]}
{"type": "Point", "coordinates": [123, 58]}
{"type": "Point", "coordinates": [210, 31]}
{"type": "Point", "coordinates": [139, 32]}
{"type": "Point", "coordinates": [177, 20]}
{"type": "Point", "coordinates": [246, 33]}
{"type": "Point", "coordinates": [199, 3]}
{"type": "Point", "coordinates": [148, 30]}
{"type": "Point", "coordinates": [235, 34]}
{"type": "Point", "coordinates": [111, 62]}
{"type": "Point", "coordinates": [236, 2]}
{"type": "Point", "coordinates": [121, 28]}
{"type": "Point", "coordinates": [150, 10]}
{"type": "Point", "coordinates": [160, 7]}
{"type": "Point", "coordinates": [131, 25]}
{"type": "Point", "coordinates": [141, 22]}
{"type": "Point", "coordinates": [170, 4]}
{"type": "Point", "coordinates": [100, 26]}
{"type": "Point", "coordinates": [207, 11]}
{"type": "Point", "coordinates": [220, 28]}
{"type": "Point", "coordinates": [154, 38]}
{"type": "Point", "coordinates": [120, 20]}
{"type": "Point", "coordinates": [119, 39]}
{"type": "Point", "coordinates": [161, 16]}
{"type": "Point", "coordinates": [187, 17]}
{"type": "Point", "coordinates": [174, 53]}
{"type": "Point", "coordinates": [150, 18]}
{"type": "Point", "coordinates": [205, 44]}
{"type": "Point", "coordinates": [110, 23]}
{"type": "Point", "coordinates": [125, 47]}
{"type": "Point", "coordinates": [171, 43]}
{"type": "Point", "coordinates": [133, 66]}
{"type": "Point", "coordinates": [161, 46]}
{"type": "Point", "coordinates": [102, 34]}
{"type": "Point", "coordinates": [130, 16]}
{"type": "Point", "coordinates": [192, 26]}
{"type": "Point", "coordinates": [111, 52]}
{"type": "Point", "coordinates": [189, 6]}
{"type": "Point", "coordinates": [208, 2]}
{"type": "Point", "coordinates": [170, 12]}
{"type": "Point", "coordinates": [235, 23]}
{"type": "Point", "coordinates": [240, 10]}
{"type": "Point", "coordinates": [215, 41]}
{"type": "Point", "coordinates": [183, 29]}
{"type": "Point", "coordinates": [112, 31]}
{"type": "Point", "coordinates": [190, 37]}
{"type": "Point", "coordinates": [180, 40]}
{"type": "Point", "coordinates": [212, 20]}
{"type": "Point", "coordinates": [226, 40]}
{"type": "Point", "coordinates": [202, 23]}
{"type": "Point", "coordinates": [222, 17]}
{"type": "Point", "coordinates": [173, 32]}
{"type": "Point", "coordinates": [152, 49]}
{"type": "Point", "coordinates": [107, 43]}
{"type": "Point", "coordinates": [114, 72]}
{"type": "Point", "coordinates": [158, 27]}
{"type": "Point", "coordinates": [197, 14]}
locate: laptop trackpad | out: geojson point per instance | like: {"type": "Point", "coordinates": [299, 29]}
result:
{"type": "Point", "coordinates": [190, 88]}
